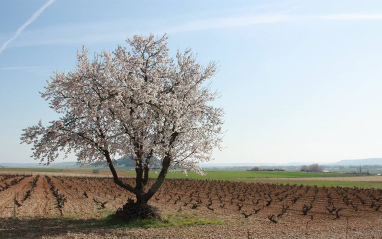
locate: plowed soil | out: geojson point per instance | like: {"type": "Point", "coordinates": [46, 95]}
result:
{"type": "Point", "coordinates": [246, 210]}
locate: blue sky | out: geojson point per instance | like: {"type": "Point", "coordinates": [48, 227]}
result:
{"type": "Point", "coordinates": [300, 81]}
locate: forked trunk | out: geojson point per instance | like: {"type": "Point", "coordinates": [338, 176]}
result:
{"type": "Point", "coordinates": [140, 209]}
{"type": "Point", "coordinates": [140, 197]}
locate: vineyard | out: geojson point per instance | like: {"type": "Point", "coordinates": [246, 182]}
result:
{"type": "Point", "coordinates": [271, 204]}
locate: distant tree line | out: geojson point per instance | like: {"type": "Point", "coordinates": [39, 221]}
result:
{"type": "Point", "coordinates": [265, 169]}
{"type": "Point", "coordinates": [311, 168]}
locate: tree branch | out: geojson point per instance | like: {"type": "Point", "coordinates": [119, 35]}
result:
{"type": "Point", "coordinates": [115, 175]}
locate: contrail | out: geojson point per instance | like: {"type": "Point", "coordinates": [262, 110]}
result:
{"type": "Point", "coordinates": [30, 20]}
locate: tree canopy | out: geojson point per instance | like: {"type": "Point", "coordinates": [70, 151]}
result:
{"type": "Point", "coordinates": [138, 102]}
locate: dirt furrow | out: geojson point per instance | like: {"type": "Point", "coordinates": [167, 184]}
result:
{"type": "Point", "coordinates": [7, 197]}
{"type": "Point", "coordinates": [41, 203]}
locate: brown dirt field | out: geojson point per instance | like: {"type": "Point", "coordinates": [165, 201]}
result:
{"type": "Point", "coordinates": [7, 196]}
{"type": "Point", "coordinates": [359, 210]}
{"type": "Point", "coordinates": [55, 228]}
{"type": "Point", "coordinates": [41, 202]}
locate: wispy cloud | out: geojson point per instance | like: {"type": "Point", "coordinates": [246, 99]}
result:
{"type": "Point", "coordinates": [359, 16]}
{"type": "Point", "coordinates": [243, 21]}
{"type": "Point", "coordinates": [117, 31]}
{"type": "Point", "coordinates": [29, 21]}
{"type": "Point", "coordinates": [226, 22]}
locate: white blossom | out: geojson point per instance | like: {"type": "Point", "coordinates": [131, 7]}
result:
{"type": "Point", "coordinates": [134, 101]}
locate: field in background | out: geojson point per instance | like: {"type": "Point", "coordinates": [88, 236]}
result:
{"type": "Point", "coordinates": [274, 177]}
{"type": "Point", "coordinates": [210, 175]}
{"type": "Point", "coordinates": [284, 177]}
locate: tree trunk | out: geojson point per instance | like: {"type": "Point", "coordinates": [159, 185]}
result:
{"type": "Point", "coordinates": [162, 175]}
{"type": "Point", "coordinates": [154, 188]}
{"type": "Point", "coordinates": [139, 170]}
{"type": "Point", "coordinates": [146, 168]}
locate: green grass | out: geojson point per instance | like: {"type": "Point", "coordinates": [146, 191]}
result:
{"type": "Point", "coordinates": [243, 175]}
{"type": "Point", "coordinates": [349, 184]}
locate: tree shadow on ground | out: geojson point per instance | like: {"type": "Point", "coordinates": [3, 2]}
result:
{"type": "Point", "coordinates": [104, 227]}
{"type": "Point", "coordinates": [52, 227]}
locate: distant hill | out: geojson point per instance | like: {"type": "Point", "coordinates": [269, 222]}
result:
{"type": "Point", "coordinates": [127, 161]}
{"type": "Point", "coordinates": [357, 162]}
{"type": "Point", "coordinates": [122, 162]}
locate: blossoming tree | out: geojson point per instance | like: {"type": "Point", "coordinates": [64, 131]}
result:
{"type": "Point", "coordinates": [136, 102]}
